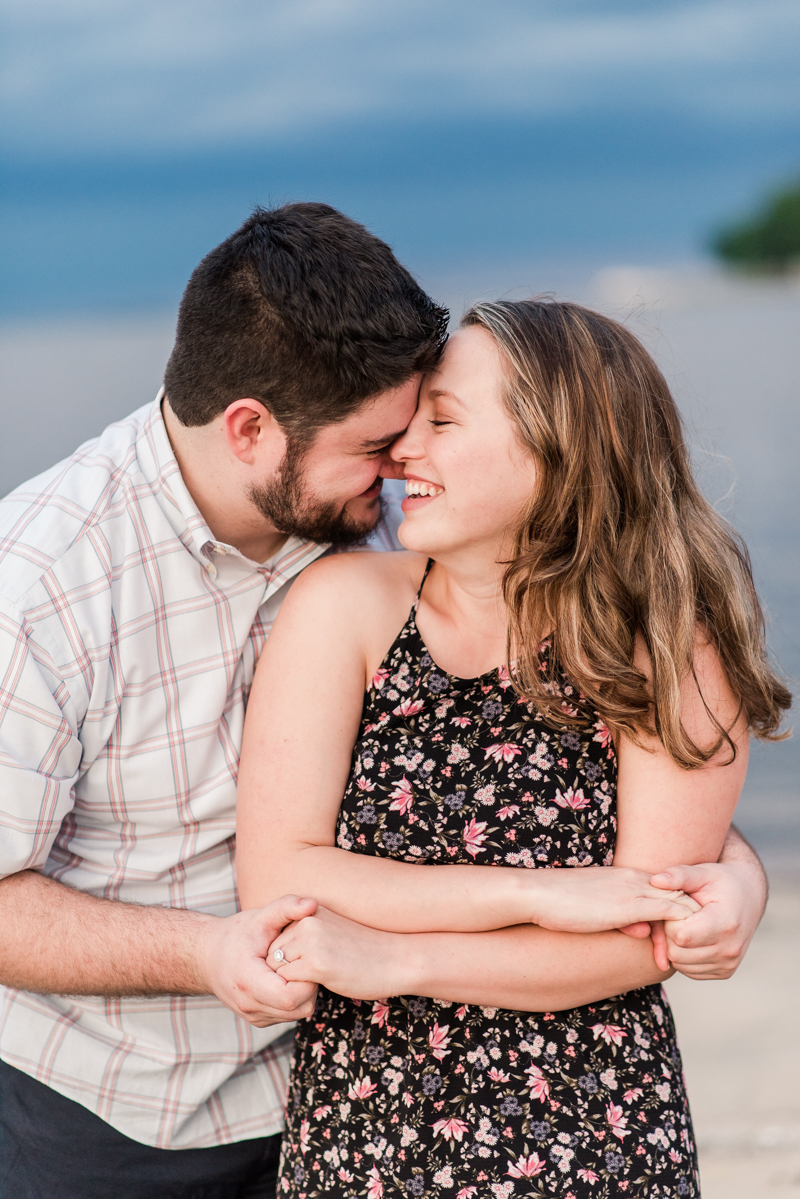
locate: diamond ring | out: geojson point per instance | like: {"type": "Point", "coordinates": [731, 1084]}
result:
{"type": "Point", "coordinates": [279, 955]}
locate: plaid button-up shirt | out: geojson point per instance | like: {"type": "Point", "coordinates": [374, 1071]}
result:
{"type": "Point", "coordinates": [128, 641]}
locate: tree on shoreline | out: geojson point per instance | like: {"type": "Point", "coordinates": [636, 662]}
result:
{"type": "Point", "coordinates": [770, 240]}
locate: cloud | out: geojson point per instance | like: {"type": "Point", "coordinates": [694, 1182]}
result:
{"type": "Point", "coordinates": [101, 75]}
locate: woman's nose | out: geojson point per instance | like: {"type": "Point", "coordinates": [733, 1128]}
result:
{"type": "Point", "coordinates": [407, 445]}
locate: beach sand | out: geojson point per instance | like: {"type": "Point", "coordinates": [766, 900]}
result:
{"type": "Point", "coordinates": [740, 1042]}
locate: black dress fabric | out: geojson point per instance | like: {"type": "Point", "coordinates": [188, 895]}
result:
{"type": "Point", "coordinates": [412, 1096]}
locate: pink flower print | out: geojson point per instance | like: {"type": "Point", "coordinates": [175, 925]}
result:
{"type": "Point", "coordinates": [375, 1188]}
{"type": "Point", "coordinates": [364, 784]}
{"type": "Point", "coordinates": [511, 810]}
{"type": "Point", "coordinates": [571, 799]}
{"type": "Point", "coordinates": [362, 1089]}
{"type": "Point", "coordinates": [318, 1050]}
{"type": "Point", "coordinates": [497, 1075]}
{"type": "Point", "coordinates": [474, 836]}
{"type": "Point", "coordinates": [588, 1176]}
{"type": "Point", "coordinates": [409, 707]}
{"type": "Point", "coordinates": [603, 735]}
{"type": "Point", "coordinates": [537, 1083]}
{"type": "Point", "coordinates": [636, 1093]}
{"type": "Point", "coordinates": [402, 797]}
{"type": "Point", "coordinates": [461, 1013]}
{"type": "Point", "coordinates": [618, 1121]}
{"type": "Point", "coordinates": [527, 1167]}
{"type": "Point", "coordinates": [451, 1130]}
{"type": "Point", "coordinates": [321, 1112]}
{"type": "Point", "coordinates": [379, 678]}
{"type": "Point", "coordinates": [438, 1040]}
{"type": "Point", "coordinates": [467, 1192]}
{"type": "Point", "coordinates": [503, 753]}
{"type": "Point", "coordinates": [380, 1011]}
{"type": "Point", "coordinates": [609, 1033]}
{"type": "Point", "coordinates": [505, 677]}
{"type": "Point", "coordinates": [463, 722]}
{"type": "Point", "coordinates": [305, 1129]}
{"type": "Point", "coordinates": [343, 1175]}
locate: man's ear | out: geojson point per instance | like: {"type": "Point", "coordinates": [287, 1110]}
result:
{"type": "Point", "coordinates": [252, 432]}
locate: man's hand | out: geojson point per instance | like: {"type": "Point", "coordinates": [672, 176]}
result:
{"type": "Point", "coordinates": [732, 895]}
{"type": "Point", "coordinates": [59, 941]}
{"type": "Point", "coordinates": [232, 961]}
{"type": "Point", "coordinates": [712, 943]}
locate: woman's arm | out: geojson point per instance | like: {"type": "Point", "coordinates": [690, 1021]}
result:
{"type": "Point", "coordinates": [524, 968]}
{"type": "Point", "coordinates": [302, 722]}
{"type": "Point", "coordinates": [665, 814]}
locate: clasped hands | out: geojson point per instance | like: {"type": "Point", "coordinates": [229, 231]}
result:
{"type": "Point", "coordinates": [696, 916]}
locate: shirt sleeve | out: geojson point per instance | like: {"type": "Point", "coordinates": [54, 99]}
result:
{"type": "Point", "coordinates": [40, 752]}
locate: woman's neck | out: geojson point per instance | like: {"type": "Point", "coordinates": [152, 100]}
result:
{"type": "Point", "coordinates": [462, 617]}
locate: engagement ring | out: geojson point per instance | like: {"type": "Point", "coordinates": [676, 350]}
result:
{"type": "Point", "coordinates": [279, 955]}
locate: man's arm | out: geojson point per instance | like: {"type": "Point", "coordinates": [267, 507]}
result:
{"type": "Point", "coordinates": [732, 894]}
{"type": "Point", "coordinates": [56, 940]}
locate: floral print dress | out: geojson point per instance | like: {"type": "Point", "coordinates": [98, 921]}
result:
{"type": "Point", "coordinates": [416, 1097]}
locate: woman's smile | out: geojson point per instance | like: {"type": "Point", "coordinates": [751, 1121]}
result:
{"type": "Point", "coordinates": [419, 492]}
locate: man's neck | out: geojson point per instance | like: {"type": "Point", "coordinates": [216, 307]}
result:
{"type": "Point", "coordinates": [230, 515]}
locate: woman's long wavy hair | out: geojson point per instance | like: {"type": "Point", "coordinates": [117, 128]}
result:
{"type": "Point", "coordinates": [618, 539]}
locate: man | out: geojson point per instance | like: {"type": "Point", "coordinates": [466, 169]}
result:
{"type": "Point", "coordinates": [143, 1036]}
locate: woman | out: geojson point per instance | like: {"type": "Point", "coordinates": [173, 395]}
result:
{"type": "Point", "coordinates": [574, 686]}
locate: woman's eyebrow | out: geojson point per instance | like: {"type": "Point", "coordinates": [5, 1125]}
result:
{"type": "Point", "coordinates": [438, 393]}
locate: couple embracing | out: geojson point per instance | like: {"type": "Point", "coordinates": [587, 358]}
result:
{"type": "Point", "coordinates": [480, 806]}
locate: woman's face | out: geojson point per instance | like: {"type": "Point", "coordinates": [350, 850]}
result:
{"type": "Point", "coordinates": [461, 450]}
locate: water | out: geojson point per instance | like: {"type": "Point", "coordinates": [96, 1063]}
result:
{"type": "Point", "coordinates": [731, 352]}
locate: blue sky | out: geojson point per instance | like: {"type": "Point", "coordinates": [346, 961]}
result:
{"type": "Point", "coordinates": [138, 133]}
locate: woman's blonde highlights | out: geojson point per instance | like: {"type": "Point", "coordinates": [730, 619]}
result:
{"type": "Point", "coordinates": [618, 541]}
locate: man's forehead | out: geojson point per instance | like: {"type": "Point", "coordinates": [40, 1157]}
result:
{"type": "Point", "coordinates": [379, 421]}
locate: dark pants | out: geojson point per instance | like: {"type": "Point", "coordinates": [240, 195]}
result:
{"type": "Point", "coordinates": [52, 1148]}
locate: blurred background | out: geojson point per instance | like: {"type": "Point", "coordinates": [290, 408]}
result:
{"type": "Point", "coordinates": [640, 157]}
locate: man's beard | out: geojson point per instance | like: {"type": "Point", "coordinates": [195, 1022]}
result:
{"type": "Point", "coordinates": [287, 505]}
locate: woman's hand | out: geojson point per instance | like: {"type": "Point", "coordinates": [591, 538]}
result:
{"type": "Point", "coordinates": [595, 899]}
{"type": "Point", "coordinates": [348, 958]}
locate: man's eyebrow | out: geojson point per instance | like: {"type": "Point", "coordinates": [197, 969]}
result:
{"type": "Point", "coordinates": [438, 393]}
{"type": "Point", "coordinates": [381, 441]}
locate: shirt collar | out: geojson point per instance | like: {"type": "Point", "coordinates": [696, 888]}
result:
{"type": "Point", "coordinates": [161, 472]}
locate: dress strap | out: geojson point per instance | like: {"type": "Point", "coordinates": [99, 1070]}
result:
{"type": "Point", "coordinates": [422, 584]}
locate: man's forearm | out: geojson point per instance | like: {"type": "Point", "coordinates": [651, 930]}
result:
{"type": "Point", "coordinates": [736, 848]}
{"type": "Point", "coordinates": [56, 940]}
{"type": "Point", "coordinates": [738, 852]}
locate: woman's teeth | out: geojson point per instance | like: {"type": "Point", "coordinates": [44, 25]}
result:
{"type": "Point", "coordinates": [418, 487]}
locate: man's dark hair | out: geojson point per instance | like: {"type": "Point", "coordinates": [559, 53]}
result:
{"type": "Point", "coordinates": [306, 311]}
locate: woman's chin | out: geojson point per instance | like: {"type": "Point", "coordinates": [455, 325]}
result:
{"type": "Point", "coordinates": [414, 539]}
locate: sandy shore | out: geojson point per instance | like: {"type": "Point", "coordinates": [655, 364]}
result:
{"type": "Point", "coordinates": [740, 1041]}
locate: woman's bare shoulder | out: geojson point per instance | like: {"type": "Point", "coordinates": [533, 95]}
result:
{"type": "Point", "coordinates": [371, 590]}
